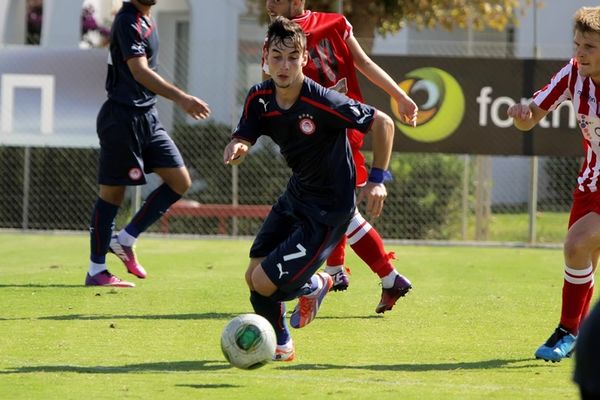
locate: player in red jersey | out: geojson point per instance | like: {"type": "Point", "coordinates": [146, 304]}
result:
{"type": "Point", "coordinates": [334, 54]}
{"type": "Point", "coordinates": [578, 81]}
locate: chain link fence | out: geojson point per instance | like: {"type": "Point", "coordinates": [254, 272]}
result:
{"type": "Point", "coordinates": [434, 197]}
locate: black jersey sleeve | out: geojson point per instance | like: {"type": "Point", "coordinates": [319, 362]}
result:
{"type": "Point", "coordinates": [127, 30]}
{"type": "Point", "coordinates": [248, 126]}
{"type": "Point", "coordinates": [346, 112]}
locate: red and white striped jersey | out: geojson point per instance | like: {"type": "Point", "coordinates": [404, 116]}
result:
{"type": "Point", "coordinates": [567, 84]}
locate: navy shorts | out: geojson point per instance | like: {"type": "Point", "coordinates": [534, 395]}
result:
{"type": "Point", "coordinates": [295, 245]}
{"type": "Point", "coordinates": [132, 142]}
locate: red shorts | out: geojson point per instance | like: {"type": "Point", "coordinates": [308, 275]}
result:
{"type": "Point", "coordinates": [355, 138]}
{"type": "Point", "coordinates": [584, 203]}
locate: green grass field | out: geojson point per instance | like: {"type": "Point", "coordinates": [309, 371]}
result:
{"type": "Point", "coordinates": [468, 330]}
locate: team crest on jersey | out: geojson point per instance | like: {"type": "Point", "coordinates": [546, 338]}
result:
{"type": "Point", "coordinates": [307, 124]}
{"type": "Point", "coordinates": [135, 174]}
{"type": "Point", "coordinates": [590, 127]}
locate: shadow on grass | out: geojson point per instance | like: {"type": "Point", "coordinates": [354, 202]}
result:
{"type": "Point", "coordinates": [487, 364]}
{"type": "Point", "coordinates": [209, 386]}
{"type": "Point", "coordinates": [40, 286]}
{"type": "Point", "coordinates": [194, 316]}
{"type": "Point", "coordinates": [91, 317]}
{"type": "Point", "coordinates": [177, 366]}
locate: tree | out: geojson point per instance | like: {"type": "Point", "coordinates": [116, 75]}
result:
{"type": "Point", "coordinates": [390, 16]}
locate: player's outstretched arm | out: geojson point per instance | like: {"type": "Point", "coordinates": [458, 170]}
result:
{"type": "Point", "coordinates": [383, 140]}
{"type": "Point", "coordinates": [406, 106]}
{"type": "Point", "coordinates": [142, 73]}
{"type": "Point", "coordinates": [525, 116]}
{"type": "Point", "coordinates": [236, 151]}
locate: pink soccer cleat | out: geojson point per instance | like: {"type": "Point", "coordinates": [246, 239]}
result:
{"type": "Point", "coordinates": [105, 278]}
{"type": "Point", "coordinates": [389, 296]}
{"type": "Point", "coordinates": [341, 280]}
{"type": "Point", "coordinates": [285, 352]}
{"type": "Point", "coordinates": [307, 307]}
{"type": "Point", "coordinates": [127, 255]}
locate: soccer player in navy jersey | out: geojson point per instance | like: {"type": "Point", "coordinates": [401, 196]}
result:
{"type": "Point", "coordinates": [308, 122]}
{"type": "Point", "coordinates": [133, 141]}
{"type": "Point", "coordinates": [578, 81]}
{"type": "Point", "coordinates": [334, 56]}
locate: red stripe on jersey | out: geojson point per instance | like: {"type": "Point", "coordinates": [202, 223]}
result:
{"type": "Point", "coordinates": [584, 106]}
{"type": "Point", "coordinates": [138, 25]}
{"type": "Point", "coordinates": [555, 93]}
{"type": "Point", "coordinates": [272, 114]}
{"type": "Point", "coordinates": [573, 77]}
{"type": "Point", "coordinates": [587, 174]}
{"type": "Point", "coordinates": [252, 96]}
{"type": "Point", "coordinates": [324, 107]}
{"type": "Point", "coordinates": [596, 96]}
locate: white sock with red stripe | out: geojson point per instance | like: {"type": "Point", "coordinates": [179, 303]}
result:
{"type": "Point", "coordinates": [576, 285]}
{"type": "Point", "coordinates": [368, 245]}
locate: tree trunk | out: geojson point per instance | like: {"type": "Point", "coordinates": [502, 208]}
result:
{"type": "Point", "coordinates": [364, 22]}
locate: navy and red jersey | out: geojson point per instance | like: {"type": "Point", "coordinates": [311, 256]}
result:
{"type": "Point", "coordinates": [568, 84]}
{"type": "Point", "coordinates": [312, 138]}
{"type": "Point", "coordinates": [132, 35]}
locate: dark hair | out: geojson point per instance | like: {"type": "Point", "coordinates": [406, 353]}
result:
{"type": "Point", "coordinates": [286, 32]}
{"type": "Point", "coordinates": [587, 19]}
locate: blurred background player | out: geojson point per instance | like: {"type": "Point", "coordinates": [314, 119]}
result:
{"type": "Point", "coordinates": [308, 122]}
{"type": "Point", "coordinates": [578, 81]}
{"type": "Point", "coordinates": [133, 141]}
{"type": "Point", "coordinates": [587, 356]}
{"type": "Point", "coordinates": [334, 53]}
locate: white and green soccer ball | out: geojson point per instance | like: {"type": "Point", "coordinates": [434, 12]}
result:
{"type": "Point", "coordinates": [248, 341]}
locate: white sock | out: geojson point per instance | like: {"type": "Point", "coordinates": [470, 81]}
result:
{"type": "Point", "coordinates": [319, 286]}
{"type": "Point", "coordinates": [126, 239]}
{"type": "Point", "coordinates": [96, 268]}
{"type": "Point", "coordinates": [286, 347]}
{"type": "Point", "coordinates": [388, 280]}
{"type": "Point", "coordinates": [332, 270]}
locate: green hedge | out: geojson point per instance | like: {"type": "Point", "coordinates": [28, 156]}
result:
{"type": "Point", "coordinates": [424, 198]}
{"type": "Point", "coordinates": [423, 201]}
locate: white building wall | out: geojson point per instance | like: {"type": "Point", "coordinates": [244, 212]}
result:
{"type": "Point", "coordinates": [554, 33]}
{"type": "Point", "coordinates": [214, 39]}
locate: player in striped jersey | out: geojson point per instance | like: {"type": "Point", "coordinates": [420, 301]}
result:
{"type": "Point", "coordinates": [334, 55]}
{"type": "Point", "coordinates": [578, 81]}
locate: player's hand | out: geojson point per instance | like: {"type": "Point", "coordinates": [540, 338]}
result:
{"type": "Point", "coordinates": [195, 107]}
{"type": "Point", "coordinates": [375, 193]}
{"type": "Point", "coordinates": [408, 110]}
{"type": "Point", "coordinates": [520, 111]}
{"type": "Point", "coordinates": [235, 152]}
{"type": "Point", "coordinates": [341, 86]}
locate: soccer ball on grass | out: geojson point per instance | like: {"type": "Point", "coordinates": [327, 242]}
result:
{"type": "Point", "coordinates": [248, 341]}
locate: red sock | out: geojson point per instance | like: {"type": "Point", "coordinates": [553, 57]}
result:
{"type": "Point", "coordinates": [368, 245]}
{"type": "Point", "coordinates": [576, 287]}
{"type": "Point", "coordinates": [336, 258]}
{"type": "Point", "coordinates": [586, 305]}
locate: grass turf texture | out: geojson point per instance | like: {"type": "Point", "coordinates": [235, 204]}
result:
{"type": "Point", "coordinates": [468, 329]}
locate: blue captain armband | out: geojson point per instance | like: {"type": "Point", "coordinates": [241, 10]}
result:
{"type": "Point", "coordinates": [378, 175]}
